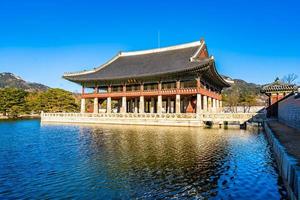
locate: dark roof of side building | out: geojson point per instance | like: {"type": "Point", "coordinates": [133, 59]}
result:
{"type": "Point", "coordinates": [278, 85]}
{"type": "Point", "coordinates": [153, 62]}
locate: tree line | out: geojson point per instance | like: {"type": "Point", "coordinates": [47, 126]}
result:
{"type": "Point", "coordinates": [15, 102]}
{"type": "Point", "coordinates": [248, 95]}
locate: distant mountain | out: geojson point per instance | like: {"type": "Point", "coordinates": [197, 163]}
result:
{"type": "Point", "coordinates": [245, 87]}
{"type": "Point", "coordinates": [10, 80]}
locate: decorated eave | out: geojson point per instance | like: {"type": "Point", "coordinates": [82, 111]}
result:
{"type": "Point", "coordinates": [278, 86]}
{"type": "Point", "coordinates": [273, 88]}
{"type": "Point", "coordinates": [173, 61]}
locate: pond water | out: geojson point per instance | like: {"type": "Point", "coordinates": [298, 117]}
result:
{"type": "Point", "coordinates": [127, 162]}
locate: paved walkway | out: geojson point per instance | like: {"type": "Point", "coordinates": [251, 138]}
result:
{"type": "Point", "coordinates": [288, 137]}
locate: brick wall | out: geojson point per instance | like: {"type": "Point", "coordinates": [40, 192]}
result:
{"type": "Point", "coordinates": [289, 111]}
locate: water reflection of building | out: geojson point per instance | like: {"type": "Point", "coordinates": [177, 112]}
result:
{"type": "Point", "coordinates": [176, 79]}
{"type": "Point", "coordinates": [160, 160]}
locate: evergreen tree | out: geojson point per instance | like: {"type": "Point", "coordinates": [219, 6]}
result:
{"type": "Point", "coordinates": [12, 101]}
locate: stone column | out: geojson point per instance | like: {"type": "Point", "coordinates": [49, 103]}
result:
{"type": "Point", "coordinates": [221, 103]}
{"type": "Point", "coordinates": [159, 104]}
{"type": "Point", "coordinates": [141, 106]}
{"type": "Point", "coordinates": [209, 104]}
{"type": "Point", "coordinates": [124, 106]}
{"type": "Point", "coordinates": [135, 105]}
{"type": "Point", "coordinates": [108, 100]}
{"type": "Point", "coordinates": [198, 104]}
{"type": "Point", "coordinates": [108, 105]}
{"type": "Point", "coordinates": [96, 105]}
{"type": "Point", "coordinates": [205, 103]}
{"type": "Point", "coordinates": [152, 105]}
{"type": "Point", "coordinates": [169, 105]}
{"type": "Point", "coordinates": [82, 109]}
{"type": "Point", "coordinates": [124, 101]}
{"type": "Point", "coordinates": [177, 102]}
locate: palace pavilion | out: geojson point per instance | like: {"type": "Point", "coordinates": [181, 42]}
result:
{"type": "Point", "coordinates": [175, 79]}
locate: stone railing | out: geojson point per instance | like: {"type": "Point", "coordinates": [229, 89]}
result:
{"type": "Point", "coordinates": [123, 115]}
{"type": "Point", "coordinates": [241, 117]}
{"type": "Point", "coordinates": [213, 117]}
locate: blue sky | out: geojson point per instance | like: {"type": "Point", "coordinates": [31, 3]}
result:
{"type": "Point", "coordinates": [252, 40]}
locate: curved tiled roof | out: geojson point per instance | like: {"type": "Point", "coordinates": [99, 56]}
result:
{"type": "Point", "coordinates": [147, 63]}
{"type": "Point", "coordinates": [278, 86]}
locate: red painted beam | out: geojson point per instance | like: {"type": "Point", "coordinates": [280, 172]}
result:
{"type": "Point", "coordinates": [164, 92]}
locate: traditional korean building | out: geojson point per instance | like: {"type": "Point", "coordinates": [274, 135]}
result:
{"type": "Point", "coordinates": [175, 79]}
{"type": "Point", "coordinates": [277, 90]}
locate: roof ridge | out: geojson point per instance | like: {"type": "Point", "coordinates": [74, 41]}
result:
{"type": "Point", "coordinates": [141, 52]}
{"type": "Point", "coordinates": [157, 50]}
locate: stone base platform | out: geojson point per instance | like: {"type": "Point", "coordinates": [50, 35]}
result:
{"type": "Point", "coordinates": [162, 119]}
{"type": "Point", "coordinates": [126, 119]}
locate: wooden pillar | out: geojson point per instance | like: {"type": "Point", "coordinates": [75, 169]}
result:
{"type": "Point", "coordinates": [82, 90]}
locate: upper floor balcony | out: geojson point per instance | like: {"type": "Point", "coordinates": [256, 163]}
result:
{"type": "Point", "coordinates": [153, 92]}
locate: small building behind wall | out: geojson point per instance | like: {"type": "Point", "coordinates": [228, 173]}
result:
{"type": "Point", "coordinates": [176, 79]}
{"type": "Point", "coordinates": [276, 91]}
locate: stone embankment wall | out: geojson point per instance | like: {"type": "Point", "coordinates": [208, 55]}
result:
{"type": "Point", "coordinates": [287, 165]}
{"type": "Point", "coordinates": [289, 111]}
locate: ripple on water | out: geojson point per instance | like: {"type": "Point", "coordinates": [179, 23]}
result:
{"type": "Point", "coordinates": [122, 162]}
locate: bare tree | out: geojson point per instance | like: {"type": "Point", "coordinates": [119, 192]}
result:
{"type": "Point", "coordinates": [290, 78]}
